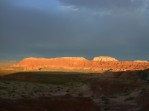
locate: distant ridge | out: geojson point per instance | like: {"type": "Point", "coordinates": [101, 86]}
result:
{"type": "Point", "coordinates": [100, 63]}
{"type": "Point", "coordinates": [140, 61]}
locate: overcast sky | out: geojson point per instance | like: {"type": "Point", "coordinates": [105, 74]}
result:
{"type": "Point", "coordinates": [88, 28]}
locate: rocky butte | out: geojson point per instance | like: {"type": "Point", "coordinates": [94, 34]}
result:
{"type": "Point", "coordinates": [81, 64]}
{"type": "Point", "coordinates": [104, 58]}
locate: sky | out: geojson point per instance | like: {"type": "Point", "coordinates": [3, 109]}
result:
{"type": "Point", "coordinates": [85, 28]}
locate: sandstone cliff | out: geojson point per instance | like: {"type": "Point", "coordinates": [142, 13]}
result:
{"type": "Point", "coordinates": [140, 61]}
{"type": "Point", "coordinates": [104, 58]}
{"type": "Point", "coordinates": [62, 63]}
{"type": "Point", "coordinates": [102, 63]}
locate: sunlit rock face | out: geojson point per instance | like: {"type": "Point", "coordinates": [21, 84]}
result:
{"type": "Point", "coordinates": [102, 63]}
{"type": "Point", "coordinates": [62, 63]}
{"type": "Point", "coordinates": [104, 58]}
{"type": "Point", "coordinates": [140, 61]}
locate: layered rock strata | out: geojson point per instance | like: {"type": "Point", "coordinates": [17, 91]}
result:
{"type": "Point", "coordinates": [102, 63]}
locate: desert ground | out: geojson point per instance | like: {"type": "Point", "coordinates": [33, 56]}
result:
{"type": "Point", "coordinates": [70, 91]}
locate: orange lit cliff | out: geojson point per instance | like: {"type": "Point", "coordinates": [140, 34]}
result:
{"type": "Point", "coordinates": [100, 63]}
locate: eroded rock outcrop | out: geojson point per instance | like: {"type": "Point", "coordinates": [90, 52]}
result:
{"type": "Point", "coordinates": [140, 61]}
{"type": "Point", "coordinates": [62, 63]}
{"type": "Point", "coordinates": [102, 63]}
{"type": "Point", "coordinates": [104, 58]}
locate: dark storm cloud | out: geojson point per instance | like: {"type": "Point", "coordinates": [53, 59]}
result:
{"type": "Point", "coordinates": [86, 28]}
{"type": "Point", "coordinates": [121, 26]}
{"type": "Point", "coordinates": [24, 31]}
{"type": "Point", "coordinates": [105, 4]}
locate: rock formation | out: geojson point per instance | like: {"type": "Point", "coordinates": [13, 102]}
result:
{"type": "Point", "coordinates": [101, 63]}
{"type": "Point", "coordinates": [104, 58]}
{"type": "Point", "coordinates": [62, 63]}
{"type": "Point", "coordinates": [140, 61]}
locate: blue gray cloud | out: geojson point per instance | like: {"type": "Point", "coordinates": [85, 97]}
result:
{"type": "Point", "coordinates": [107, 4]}
{"type": "Point", "coordinates": [88, 28]}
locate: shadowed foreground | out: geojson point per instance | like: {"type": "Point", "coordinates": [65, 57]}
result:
{"type": "Point", "coordinates": [69, 91]}
{"type": "Point", "coordinates": [49, 104]}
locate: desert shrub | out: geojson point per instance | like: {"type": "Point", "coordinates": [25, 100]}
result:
{"type": "Point", "coordinates": [126, 90]}
{"type": "Point", "coordinates": [68, 95]}
{"type": "Point", "coordinates": [2, 87]}
{"type": "Point", "coordinates": [143, 90]}
{"type": "Point", "coordinates": [111, 87]}
{"type": "Point", "coordinates": [80, 94]}
{"type": "Point", "coordinates": [106, 109]}
{"type": "Point", "coordinates": [144, 75]}
{"type": "Point", "coordinates": [24, 96]}
{"type": "Point", "coordinates": [105, 100]}
{"type": "Point", "coordinates": [31, 94]}
{"type": "Point", "coordinates": [130, 98]}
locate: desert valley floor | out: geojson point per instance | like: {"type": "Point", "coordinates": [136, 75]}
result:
{"type": "Point", "coordinates": [69, 91]}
